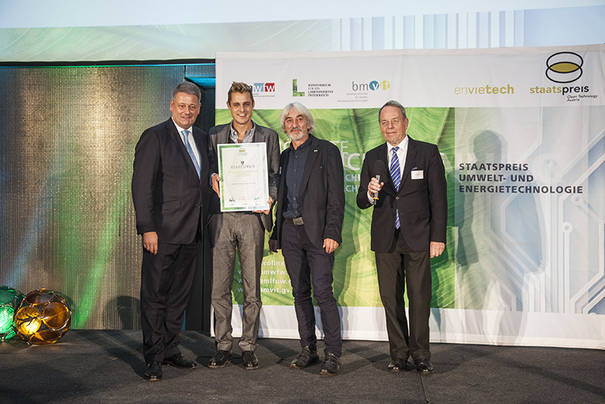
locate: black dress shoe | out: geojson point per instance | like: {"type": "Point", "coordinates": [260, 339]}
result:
{"type": "Point", "coordinates": [249, 360]}
{"type": "Point", "coordinates": [397, 366]}
{"type": "Point", "coordinates": [153, 372]}
{"type": "Point", "coordinates": [424, 366]}
{"type": "Point", "coordinates": [179, 362]}
{"type": "Point", "coordinates": [220, 360]}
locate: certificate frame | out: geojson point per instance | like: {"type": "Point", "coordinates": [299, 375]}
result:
{"type": "Point", "coordinates": [244, 184]}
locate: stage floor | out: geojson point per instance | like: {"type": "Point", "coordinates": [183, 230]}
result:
{"type": "Point", "coordinates": [104, 366]}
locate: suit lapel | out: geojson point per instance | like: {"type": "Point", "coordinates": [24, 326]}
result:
{"type": "Point", "coordinates": [312, 160]}
{"type": "Point", "coordinates": [283, 166]}
{"type": "Point", "coordinates": [259, 135]}
{"type": "Point", "coordinates": [176, 137]}
{"type": "Point", "coordinates": [200, 144]}
{"type": "Point", "coordinates": [409, 160]}
{"type": "Point", "coordinates": [383, 154]}
{"type": "Point", "coordinates": [222, 137]}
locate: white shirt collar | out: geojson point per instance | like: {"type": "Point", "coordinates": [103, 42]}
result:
{"type": "Point", "coordinates": [402, 145]}
{"type": "Point", "coordinates": [180, 130]}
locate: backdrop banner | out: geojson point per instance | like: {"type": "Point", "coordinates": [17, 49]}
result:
{"type": "Point", "coordinates": [522, 136]}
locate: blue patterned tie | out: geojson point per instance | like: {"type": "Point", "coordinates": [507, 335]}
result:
{"type": "Point", "coordinates": [396, 177]}
{"type": "Point", "coordinates": [190, 151]}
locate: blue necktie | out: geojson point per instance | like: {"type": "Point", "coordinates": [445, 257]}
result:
{"type": "Point", "coordinates": [190, 151]}
{"type": "Point", "coordinates": [396, 177]}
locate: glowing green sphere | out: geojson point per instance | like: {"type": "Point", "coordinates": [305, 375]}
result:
{"type": "Point", "coordinates": [10, 299]}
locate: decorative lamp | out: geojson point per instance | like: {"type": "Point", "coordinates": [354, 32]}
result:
{"type": "Point", "coordinates": [9, 301]}
{"type": "Point", "coordinates": [43, 317]}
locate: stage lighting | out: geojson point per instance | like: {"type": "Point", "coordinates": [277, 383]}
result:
{"type": "Point", "coordinates": [9, 301]}
{"type": "Point", "coordinates": [43, 317]}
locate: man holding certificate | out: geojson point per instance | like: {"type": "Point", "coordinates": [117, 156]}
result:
{"type": "Point", "coordinates": [245, 185]}
{"type": "Point", "coordinates": [310, 210]}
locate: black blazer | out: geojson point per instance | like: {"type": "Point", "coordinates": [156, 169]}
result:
{"type": "Point", "coordinates": [322, 190]}
{"type": "Point", "coordinates": [220, 135]}
{"type": "Point", "coordinates": [422, 203]}
{"type": "Point", "coordinates": [168, 196]}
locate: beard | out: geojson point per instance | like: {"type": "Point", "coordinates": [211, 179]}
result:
{"type": "Point", "coordinates": [296, 135]}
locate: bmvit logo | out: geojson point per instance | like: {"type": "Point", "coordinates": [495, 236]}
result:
{"type": "Point", "coordinates": [371, 86]}
{"type": "Point", "coordinates": [261, 88]}
{"type": "Point", "coordinates": [564, 67]}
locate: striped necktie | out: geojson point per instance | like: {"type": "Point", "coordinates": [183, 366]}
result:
{"type": "Point", "coordinates": [396, 177]}
{"type": "Point", "coordinates": [190, 151]}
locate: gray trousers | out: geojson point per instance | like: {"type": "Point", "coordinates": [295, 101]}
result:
{"type": "Point", "coordinates": [244, 232]}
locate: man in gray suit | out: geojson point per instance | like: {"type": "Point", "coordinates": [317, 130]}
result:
{"type": "Point", "coordinates": [242, 230]}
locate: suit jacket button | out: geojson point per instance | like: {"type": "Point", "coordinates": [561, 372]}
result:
{"type": "Point", "coordinates": [397, 198]}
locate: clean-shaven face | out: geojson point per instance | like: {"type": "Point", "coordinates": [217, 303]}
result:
{"type": "Point", "coordinates": [184, 108]}
{"type": "Point", "coordinates": [393, 125]}
{"type": "Point", "coordinates": [241, 106]}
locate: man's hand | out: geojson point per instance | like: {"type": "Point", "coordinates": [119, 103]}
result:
{"type": "Point", "coordinates": [330, 245]}
{"type": "Point", "coordinates": [150, 242]}
{"type": "Point", "coordinates": [374, 186]}
{"type": "Point", "coordinates": [266, 212]}
{"type": "Point", "coordinates": [215, 184]}
{"type": "Point", "coordinates": [436, 248]}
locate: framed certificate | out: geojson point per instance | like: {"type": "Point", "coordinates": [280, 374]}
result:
{"type": "Point", "coordinates": [244, 182]}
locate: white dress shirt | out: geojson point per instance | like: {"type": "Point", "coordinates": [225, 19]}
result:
{"type": "Point", "coordinates": [190, 139]}
{"type": "Point", "coordinates": [402, 152]}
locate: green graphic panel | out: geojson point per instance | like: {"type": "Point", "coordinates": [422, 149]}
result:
{"type": "Point", "coordinates": [355, 131]}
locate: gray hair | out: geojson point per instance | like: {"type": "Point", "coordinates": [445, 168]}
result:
{"type": "Point", "coordinates": [392, 103]}
{"type": "Point", "coordinates": [300, 108]}
{"type": "Point", "coordinates": [188, 88]}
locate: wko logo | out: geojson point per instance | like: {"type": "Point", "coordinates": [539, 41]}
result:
{"type": "Point", "coordinates": [564, 67]}
{"type": "Point", "coordinates": [264, 88]}
{"type": "Point", "coordinates": [371, 86]}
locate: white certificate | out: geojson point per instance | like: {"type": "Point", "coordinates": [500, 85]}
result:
{"type": "Point", "coordinates": [244, 180]}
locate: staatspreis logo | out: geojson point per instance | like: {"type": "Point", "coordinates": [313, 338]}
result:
{"type": "Point", "coordinates": [564, 67]}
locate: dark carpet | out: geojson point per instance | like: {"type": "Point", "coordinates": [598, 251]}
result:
{"type": "Point", "coordinates": [107, 366]}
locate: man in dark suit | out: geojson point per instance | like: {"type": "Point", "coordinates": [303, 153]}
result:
{"type": "Point", "coordinates": [310, 211]}
{"type": "Point", "coordinates": [244, 231]}
{"type": "Point", "coordinates": [170, 188]}
{"type": "Point", "coordinates": [408, 228]}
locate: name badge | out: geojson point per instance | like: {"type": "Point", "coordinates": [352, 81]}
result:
{"type": "Point", "coordinates": [417, 174]}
